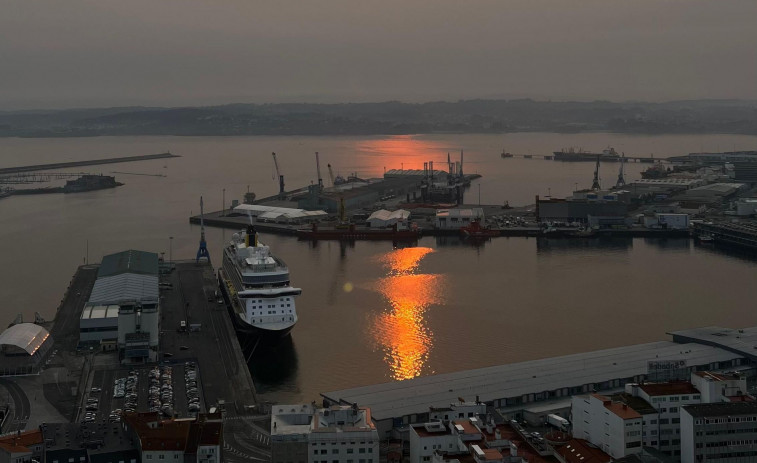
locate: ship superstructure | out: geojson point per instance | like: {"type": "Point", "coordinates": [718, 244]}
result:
{"type": "Point", "coordinates": [256, 285]}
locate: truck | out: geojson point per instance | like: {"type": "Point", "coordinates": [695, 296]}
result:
{"type": "Point", "coordinates": [558, 421]}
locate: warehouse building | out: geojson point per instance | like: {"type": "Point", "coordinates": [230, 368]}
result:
{"type": "Point", "coordinates": [454, 219]}
{"type": "Point", "coordinates": [23, 348]}
{"type": "Point", "coordinates": [123, 310]}
{"type": "Point", "coordinates": [517, 387]}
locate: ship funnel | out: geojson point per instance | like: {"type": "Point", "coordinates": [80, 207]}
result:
{"type": "Point", "coordinates": [249, 236]}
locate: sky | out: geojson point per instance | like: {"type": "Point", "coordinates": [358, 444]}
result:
{"type": "Point", "coordinates": [94, 53]}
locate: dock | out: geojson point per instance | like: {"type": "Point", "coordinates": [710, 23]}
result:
{"type": "Point", "coordinates": [91, 162]}
{"type": "Point", "coordinates": [187, 293]}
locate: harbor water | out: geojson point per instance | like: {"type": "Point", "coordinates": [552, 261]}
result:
{"type": "Point", "coordinates": [370, 313]}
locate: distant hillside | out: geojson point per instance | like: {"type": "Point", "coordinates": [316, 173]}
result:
{"type": "Point", "coordinates": [387, 118]}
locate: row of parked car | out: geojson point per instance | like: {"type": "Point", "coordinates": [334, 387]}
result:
{"type": "Point", "coordinates": [161, 390]}
{"type": "Point", "coordinates": [126, 388]}
{"type": "Point", "coordinates": [193, 393]}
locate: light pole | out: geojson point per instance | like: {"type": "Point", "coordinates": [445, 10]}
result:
{"type": "Point", "coordinates": [170, 248]}
{"type": "Point", "coordinates": [549, 193]}
{"type": "Point", "coordinates": [223, 209]}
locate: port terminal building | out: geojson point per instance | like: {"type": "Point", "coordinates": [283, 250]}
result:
{"type": "Point", "coordinates": [23, 348]}
{"type": "Point", "coordinates": [536, 388]}
{"type": "Point", "coordinates": [123, 310]}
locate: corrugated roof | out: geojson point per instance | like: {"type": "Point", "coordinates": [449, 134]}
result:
{"type": "Point", "coordinates": [124, 287]}
{"type": "Point", "coordinates": [27, 336]}
{"type": "Point", "coordinates": [130, 261]}
{"type": "Point", "coordinates": [401, 398]}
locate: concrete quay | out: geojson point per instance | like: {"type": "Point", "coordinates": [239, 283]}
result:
{"type": "Point", "coordinates": [72, 374]}
{"type": "Point", "coordinates": [91, 162]}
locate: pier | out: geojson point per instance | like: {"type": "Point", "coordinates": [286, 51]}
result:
{"type": "Point", "coordinates": [91, 162]}
{"type": "Point", "coordinates": [75, 372]}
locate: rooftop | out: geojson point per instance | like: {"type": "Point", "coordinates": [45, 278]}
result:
{"type": "Point", "coordinates": [579, 451]}
{"type": "Point", "coordinates": [717, 377]}
{"type": "Point", "coordinates": [19, 443]}
{"type": "Point", "coordinates": [124, 287]}
{"type": "Point", "coordinates": [185, 435]}
{"type": "Point", "coordinates": [722, 409]}
{"type": "Point", "coordinates": [26, 336]}
{"type": "Point", "coordinates": [401, 398]}
{"type": "Point", "coordinates": [95, 437]}
{"type": "Point", "coordinates": [619, 409]}
{"type": "Point", "coordinates": [671, 388]}
{"type": "Point", "coordinates": [743, 341]}
{"type": "Point", "coordinates": [131, 261]}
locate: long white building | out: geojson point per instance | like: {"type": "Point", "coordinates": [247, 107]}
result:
{"type": "Point", "coordinates": [719, 432]}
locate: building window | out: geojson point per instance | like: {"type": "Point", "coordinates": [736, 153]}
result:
{"type": "Point", "coordinates": [161, 457]}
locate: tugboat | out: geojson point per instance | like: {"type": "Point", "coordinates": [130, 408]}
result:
{"type": "Point", "coordinates": [475, 230]}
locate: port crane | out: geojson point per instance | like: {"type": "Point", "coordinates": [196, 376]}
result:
{"type": "Point", "coordinates": [202, 252]}
{"type": "Point", "coordinates": [318, 168]}
{"type": "Point", "coordinates": [278, 174]}
{"type": "Point", "coordinates": [595, 184]}
{"type": "Point", "coordinates": [621, 178]}
{"type": "Point", "coordinates": [331, 174]}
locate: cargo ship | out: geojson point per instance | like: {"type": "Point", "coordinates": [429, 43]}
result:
{"type": "Point", "coordinates": [256, 287]}
{"type": "Point", "coordinates": [578, 155]}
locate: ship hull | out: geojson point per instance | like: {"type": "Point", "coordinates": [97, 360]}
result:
{"type": "Point", "coordinates": [248, 334]}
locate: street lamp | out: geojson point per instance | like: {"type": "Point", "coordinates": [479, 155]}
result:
{"type": "Point", "coordinates": [170, 248]}
{"type": "Point", "coordinates": [223, 209]}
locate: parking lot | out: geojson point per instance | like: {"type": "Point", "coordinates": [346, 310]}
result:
{"type": "Point", "coordinates": [171, 388]}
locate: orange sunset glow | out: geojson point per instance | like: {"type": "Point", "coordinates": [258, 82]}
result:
{"type": "Point", "coordinates": [402, 151]}
{"type": "Point", "coordinates": [401, 331]}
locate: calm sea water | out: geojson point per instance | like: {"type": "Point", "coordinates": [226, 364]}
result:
{"type": "Point", "coordinates": [370, 313]}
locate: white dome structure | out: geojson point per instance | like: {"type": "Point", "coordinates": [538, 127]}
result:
{"type": "Point", "coordinates": [22, 348]}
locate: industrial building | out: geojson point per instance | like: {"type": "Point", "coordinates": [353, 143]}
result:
{"type": "Point", "coordinates": [454, 219]}
{"type": "Point", "coordinates": [359, 194]}
{"type": "Point", "coordinates": [719, 432]}
{"type": "Point", "coordinates": [123, 310]}
{"type": "Point", "coordinates": [516, 388]}
{"type": "Point", "coordinates": [23, 348]}
{"type": "Point", "coordinates": [338, 434]}
{"type": "Point", "coordinates": [286, 215]}
{"type": "Point", "coordinates": [570, 211]}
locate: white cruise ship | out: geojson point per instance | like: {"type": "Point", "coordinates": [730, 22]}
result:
{"type": "Point", "coordinates": [255, 284]}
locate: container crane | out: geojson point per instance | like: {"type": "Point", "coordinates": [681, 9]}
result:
{"type": "Point", "coordinates": [331, 175]}
{"type": "Point", "coordinates": [281, 177]}
{"type": "Point", "coordinates": [318, 168]}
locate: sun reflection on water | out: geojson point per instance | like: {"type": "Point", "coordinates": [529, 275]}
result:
{"type": "Point", "coordinates": [401, 331]}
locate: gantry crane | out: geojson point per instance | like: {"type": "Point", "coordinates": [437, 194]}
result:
{"type": "Point", "coordinates": [278, 174]}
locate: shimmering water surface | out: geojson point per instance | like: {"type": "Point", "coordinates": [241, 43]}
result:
{"type": "Point", "coordinates": [370, 313]}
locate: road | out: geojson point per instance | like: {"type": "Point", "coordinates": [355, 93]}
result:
{"type": "Point", "coordinates": [22, 408]}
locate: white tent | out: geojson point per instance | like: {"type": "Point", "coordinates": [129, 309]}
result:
{"type": "Point", "coordinates": [383, 218]}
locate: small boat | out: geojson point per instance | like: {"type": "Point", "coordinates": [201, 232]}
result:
{"type": "Point", "coordinates": [705, 238]}
{"type": "Point", "coordinates": [475, 230]}
{"type": "Point", "coordinates": [506, 154]}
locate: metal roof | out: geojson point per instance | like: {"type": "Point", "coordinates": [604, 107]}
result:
{"type": "Point", "coordinates": [27, 336]}
{"type": "Point", "coordinates": [124, 287]}
{"type": "Point", "coordinates": [402, 398]}
{"type": "Point", "coordinates": [130, 261]}
{"type": "Point", "coordinates": [743, 341]}
{"type": "Point", "coordinates": [258, 210]}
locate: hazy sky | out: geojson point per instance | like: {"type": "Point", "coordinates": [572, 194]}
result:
{"type": "Point", "coordinates": [80, 53]}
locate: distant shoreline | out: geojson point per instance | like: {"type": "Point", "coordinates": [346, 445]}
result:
{"type": "Point", "coordinates": [729, 117]}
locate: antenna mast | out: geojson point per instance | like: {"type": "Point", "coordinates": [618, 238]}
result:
{"type": "Point", "coordinates": [202, 252]}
